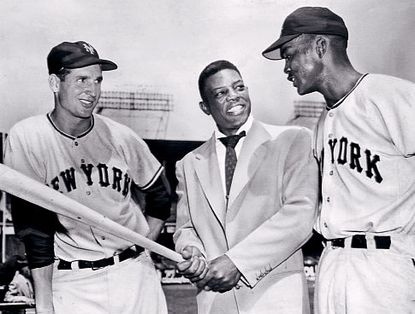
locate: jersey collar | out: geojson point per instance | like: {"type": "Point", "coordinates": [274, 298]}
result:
{"type": "Point", "coordinates": [339, 102]}
{"type": "Point", "coordinates": [68, 135]}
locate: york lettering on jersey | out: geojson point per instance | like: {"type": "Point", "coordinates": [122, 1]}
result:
{"type": "Point", "coordinates": [106, 177]}
{"type": "Point", "coordinates": [349, 154]}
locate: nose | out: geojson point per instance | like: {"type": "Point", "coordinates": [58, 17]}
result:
{"type": "Point", "coordinates": [92, 89]}
{"type": "Point", "coordinates": [232, 94]}
{"type": "Point", "coordinates": [286, 67]}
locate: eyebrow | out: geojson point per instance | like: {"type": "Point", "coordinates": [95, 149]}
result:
{"type": "Point", "coordinates": [81, 76]}
{"type": "Point", "coordinates": [217, 88]}
{"type": "Point", "coordinates": [236, 82]}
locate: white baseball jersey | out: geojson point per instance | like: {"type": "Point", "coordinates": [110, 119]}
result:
{"type": "Point", "coordinates": [95, 168]}
{"type": "Point", "coordinates": [368, 187]}
{"type": "Point", "coordinates": [368, 182]}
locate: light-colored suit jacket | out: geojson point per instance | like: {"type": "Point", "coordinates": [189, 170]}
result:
{"type": "Point", "coordinates": [270, 214]}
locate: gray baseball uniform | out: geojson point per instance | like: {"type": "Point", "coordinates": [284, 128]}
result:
{"type": "Point", "coordinates": [97, 169]}
{"type": "Point", "coordinates": [368, 198]}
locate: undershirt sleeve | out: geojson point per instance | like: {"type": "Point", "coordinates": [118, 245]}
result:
{"type": "Point", "coordinates": [36, 227]}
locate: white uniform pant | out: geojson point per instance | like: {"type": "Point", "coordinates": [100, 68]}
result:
{"type": "Point", "coordinates": [128, 287]}
{"type": "Point", "coordinates": [364, 281]}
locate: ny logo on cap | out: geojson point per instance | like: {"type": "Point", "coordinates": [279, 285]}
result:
{"type": "Point", "coordinates": [89, 48]}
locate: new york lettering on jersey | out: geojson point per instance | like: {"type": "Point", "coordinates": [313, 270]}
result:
{"type": "Point", "coordinates": [102, 174]}
{"type": "Point", "coordinates": [348, 153]}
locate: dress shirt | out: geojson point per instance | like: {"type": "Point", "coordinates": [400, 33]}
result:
{"type": "Point", "coordinates": [221, 149]}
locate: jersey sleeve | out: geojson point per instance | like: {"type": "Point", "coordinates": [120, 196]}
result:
{"type": "Point", "coordinates": [144, 167]}
{"type": "Point", "coordinates": [396, 105]}
{"type": "Point", "coordinates": [19, 155]}
{"type": "Point", "coordinates": [35, 225]}
{"type": "Point", "coordinates": [146, 173]}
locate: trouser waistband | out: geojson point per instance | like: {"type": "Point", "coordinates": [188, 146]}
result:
{"type": "Point", "coordinates": [97, 264]}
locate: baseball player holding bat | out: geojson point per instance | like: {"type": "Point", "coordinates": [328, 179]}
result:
{"type": "Point", "coordinates": [78, 268]}
{"type": "Point", "coordinates": [365, 143]}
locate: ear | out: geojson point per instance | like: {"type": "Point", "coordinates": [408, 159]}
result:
{"type": "Point", "coordinates": [205, 108]}
{"type": "Point", "coordinates": [321, 46]}
{"type": "Point", "coordinates": [54, 83]}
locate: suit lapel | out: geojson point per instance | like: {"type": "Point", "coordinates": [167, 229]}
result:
{"type": "Point", "coordinates": [249, 159]}
{"type": "Point", "coordinates": [207, 170]}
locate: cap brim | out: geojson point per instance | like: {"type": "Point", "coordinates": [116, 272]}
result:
{"type": "Point", "coordinates": [273, 52]}
{"type": "Point", "coordinates": [106, 65]}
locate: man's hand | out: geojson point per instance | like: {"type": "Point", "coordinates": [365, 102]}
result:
{"type": "Point", "coordinates": [194, 266]}
{"type": "Point", "coordinates": [221, 276]}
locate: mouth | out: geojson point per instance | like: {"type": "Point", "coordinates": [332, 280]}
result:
{"type": "Point", "coordinates": [87, 102]}
{"type": "Point", "coordinates": [292, 79]}
{"type": "Point", "coordinates": [236, 110]}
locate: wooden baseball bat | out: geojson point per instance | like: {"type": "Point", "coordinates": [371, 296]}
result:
{"type": "Point", "coordinates": [24, 187]}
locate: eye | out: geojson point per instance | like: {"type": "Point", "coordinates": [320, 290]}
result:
{"type": "Point", "coordinates": [219, 94]}
{"type": "Point", "coordinates": [240, 88]}
{"type": "Point", "coordinates": [81, 80]}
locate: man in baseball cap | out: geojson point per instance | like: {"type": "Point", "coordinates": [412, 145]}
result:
{"type": "Point", "coordinates": [365, 145]}
{"type": "Point", "coordinates": [101, 164]}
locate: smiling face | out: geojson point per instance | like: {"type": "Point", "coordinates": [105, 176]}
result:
{"type": "Point", "coordinates": [302, 64]}
{"type": "Point", "coordinates": [78, 93]}
{"type": "Point", "coordinates": [227, 100]}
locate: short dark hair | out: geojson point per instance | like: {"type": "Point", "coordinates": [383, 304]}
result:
{"type": "Point", "coordinates": [338, 43]}
{"type": "Point", "coordinates": [212, 69]}
{"type": "Point", "coordinates": [62, 73]}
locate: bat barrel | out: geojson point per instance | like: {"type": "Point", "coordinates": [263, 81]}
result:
{"type": "Point", "coordinates": [24, 187]}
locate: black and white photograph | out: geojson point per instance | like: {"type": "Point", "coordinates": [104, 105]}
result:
{"type": "Point", "coordinates": [207, 157]}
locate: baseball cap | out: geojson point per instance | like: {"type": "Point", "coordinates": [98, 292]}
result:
{"type": "Point", "coordinates": [72, 55]}
{"type": "Point", "coordinates": [307, 20]}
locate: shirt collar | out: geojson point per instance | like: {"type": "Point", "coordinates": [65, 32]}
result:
{"type": "Point", "coordinates": [245, 127]}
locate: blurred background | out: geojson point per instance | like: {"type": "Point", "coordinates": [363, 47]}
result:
{"type": "Point", "coordinates": [160, 48]}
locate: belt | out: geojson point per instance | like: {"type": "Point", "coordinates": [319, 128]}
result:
{"type": "Point", "coordinates": [359, 242]}
{"type": "Point", "coordinates": [126, 254]}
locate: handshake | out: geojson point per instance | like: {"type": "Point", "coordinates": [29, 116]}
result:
{"type": "Point", "coordinates": [218, 275]}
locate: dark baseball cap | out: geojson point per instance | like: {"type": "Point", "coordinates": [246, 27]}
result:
{"type": "Point", "coordinates": [307, 20]}
{"type": "Point", "coordinates": [76, 55]}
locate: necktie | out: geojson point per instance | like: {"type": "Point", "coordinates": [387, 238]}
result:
{"type": "Point", "coordinates": [230, 157]}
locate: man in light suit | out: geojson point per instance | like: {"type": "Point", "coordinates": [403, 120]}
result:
{"type": "Point", "coordinates": [241, 236]}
